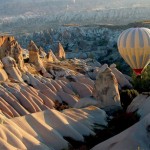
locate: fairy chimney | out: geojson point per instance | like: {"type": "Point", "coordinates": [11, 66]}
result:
{"type": "Point", "coordinates": [106, 88]}
{"type": "Point", "coordinates": [51, 57]}
{"type": "Point", "coordinates": [61, 52]}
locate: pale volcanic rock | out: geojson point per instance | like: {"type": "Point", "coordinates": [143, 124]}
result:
{"type": "Point", "coordinates": [11, 110]}
{"type": "Point", "coordinates": [18, 56]}
{"type": "Point", "coordinates": [6, 44]}
{"type": "Point", "coordinates": [81, 89]}
{"type": "Point", "coordinates": [25, 53]}
{"type": "Point", "coordinates": [99, 115]}
{"type": "Point", "coordinates": [10, 47]}
{"type": "Point", "coordinates": [34, 57]}
{"type": "Point", "coordinates": [88, 116]}
{"type": "Point", "coordinates": [33, 53]}
{"type": "Point", "coordinates": [123, 82]}
{"type": "Point", "coordinates": [137, 102]}
{"type": "Point", "coordinates": [85, 102]}
{"type": "Point", "coordinates": [65, 88]}
{"type": "Point", "coordinates": [33, 138]}
{"type": "Point", "coordinates": [26, 78]}
{"type": "Point", "coordinates": [4, 107]}
{"type": "Point", "coordinates": [140, 105]}
{"type": "Point", "coordinates": [13, 102]}
{"type": "Point", "coordinates": [22, 99]}
{"type": "Point", "coordinates": [43, 88]}
{"type": "Point", "coordinates": [81, 128]}
{"type": "Point", "coordinates": [46, 130]}
{"type": "Point", "coordinates": [58, 72]}
{"type": "Point", "coordinates": [135, 137]}
{"type": "Point", "coordinates": [56, 85]}
{"type": "Point", "coordinates": [42, 52]}
{"type": "Point", "coordinates": [37, 95]}
{"type": "Point", "coordinates": [128, 78]}
{"type": "Point", "coordinates": [85, 80]}
{"type": "Point", "coordinates": [3, 74]}
{"type": "Point", "coordinates": [61, 52]}
{"type": "Point", "coordinates": [80, 116]}
{"type": "Point", "coordinates": [93, 73]}
{"type": "Point", "coordinates": [38, 105]}
{"type": "Point", "coordinates": [60, 124]}
{"type": "Point", "coordinates": [5, 90]}
{"type": "Point", "coordinates": [51, 86]}
{"type": "Point", "coordinates": [51, 57]}
{"type": "Point", "coordinates": [106, 88]}
{"type": "Point", "coordinates": [68, 98]}
{"type": "Point", "coordinates": [11, 68]}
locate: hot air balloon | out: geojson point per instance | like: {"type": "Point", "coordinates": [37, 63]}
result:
{"type": "Point", "coordinates": [134, 47]}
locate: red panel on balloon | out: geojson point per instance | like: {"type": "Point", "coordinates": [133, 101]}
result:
{"type": "Point", "coordinates": [138, 71]}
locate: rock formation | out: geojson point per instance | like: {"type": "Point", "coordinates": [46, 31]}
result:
{"type": "Point", "coordinates": [140, 105]}
{"type": "Point", "coordinates": [60, 52]}
{"type": "Point", "coordinates": [122, 80]}
{"type": "Point", "coordinates": [30, 96]}
{"type": "Point", "coordinates": [33, 53]}
{"type": "Point", "coordinates": [6, 46]}
{"type": "Point", "coordinates": [18, 56]}
{"type": "Point", "coordinates": [11, 68]}
{"type": "Point", "coordinates": [35, 59]}
{"type": "Point", "coordinates": [51, 57]}
{"type": "Point", "coordinates": [3, 74]}
{"type": "Point", "coordinates": [135, 137]}
{"type": "Point", "coordinates": [85, 102]}
{"type": "Point", "coordinates": [10, 47]}
{"type": "Point", "coordinates": [106, 88]}
{"type": "Point", "coordinates": [42, 53]}
{"type": "Point", "coordinates": [46, 130]}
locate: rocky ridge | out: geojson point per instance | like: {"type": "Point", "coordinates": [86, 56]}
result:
{"type": "Point", "coordinates": [34, 86]}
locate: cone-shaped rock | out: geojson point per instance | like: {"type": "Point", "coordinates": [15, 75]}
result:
{"type": "Point", "coordinates": [3, 74]}
{"type": "Point", "coordinates": [61, 53]}
{"type": "Point", "coordinates": [51, 57]}
{"type": "Point", "coordinates": [42, 52]}
{"type": "Point", "coordinates": [33, 52]}
{"type": "Point", "coordinates": [7, 44]}
{"type": "Point", "coordinates": [106, 88]}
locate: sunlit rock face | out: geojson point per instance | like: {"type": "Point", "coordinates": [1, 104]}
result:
{"type": "Point", "coordinates": [106, 88]}
{"type": "Point", "coordinates": [7, 44]}
{"type": "Point", "coordinates": [10, 47]}
{"type": "Point", "coordinates": [46, 130]}
{"type": "Point", "coordinates": [11, 68]}
{"type": "Point", "coordinates": [51, 57]}
{"type": "Point", "coordinates": [34, 57]}
{"type": "Point", "coordinates": [61, 52]}
{"type": "Point", "coordinates": [18, 56]}
{"type": "Point", "coordinates": [42, 52]}
{"type": "Point", "coordinates": [121, 78]}
{"type": "Point", "coordinates": [3, 74]}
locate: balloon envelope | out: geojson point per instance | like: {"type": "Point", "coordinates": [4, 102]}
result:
{"type": "Point", "coordinates": [134, 47]}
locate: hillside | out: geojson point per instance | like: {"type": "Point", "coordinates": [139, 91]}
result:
{"type": "Point", "coordinates": [27, 16]}
{"type": "Point", "coordinates": [50, 102]}
{"type": "Point", "coordinates": [94, 41]}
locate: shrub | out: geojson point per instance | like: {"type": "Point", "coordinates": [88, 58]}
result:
{"type": "Point", "coordinates": [127, 96]}
{"type": "Point", "coordinates": [142, 83]}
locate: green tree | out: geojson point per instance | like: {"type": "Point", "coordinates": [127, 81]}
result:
{"type": "Point", "coordinates": [127, 96]}
{"type": "Point", "coordinates": [142, 83]}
